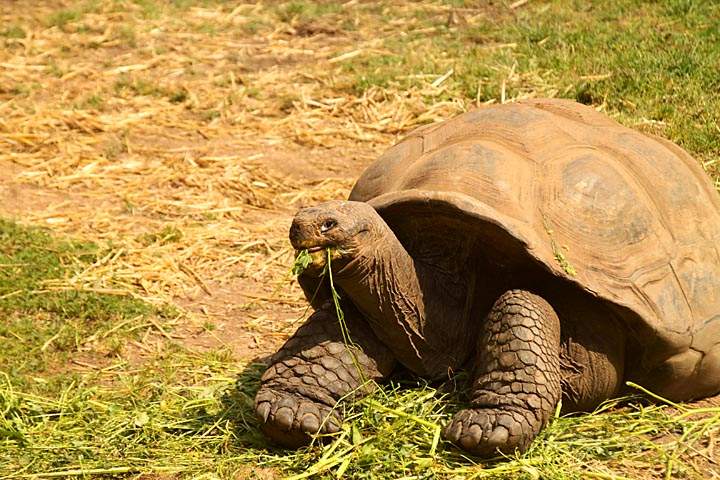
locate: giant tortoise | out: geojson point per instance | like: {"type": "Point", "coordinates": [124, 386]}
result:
{"type": "Point", "coordinates": [548, 250]}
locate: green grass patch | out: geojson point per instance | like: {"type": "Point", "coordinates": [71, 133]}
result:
{"type": "Point", "coordinates": [12, 31]}
{"type": "Point", "coordinates": [188, 414]}
{"type": "Point", "coordinates": [136, 86]}
{"type": "Point", "coordinates": [150, 9]}
{"type": "Point", "coordinates": [30, 257]}
{"type": "Point", "coordinates": [61, 18]}
{"type": "Point", "coordinates": [45, 320]}
{"type": "Point", "coordinates": [306, 10]}
{"type": "Point", "coordinates": [253, 26]}
{"type": "Point", "coordinates": [168, 234]}
{"type": "Point", "coordinates": [94, 101]}
{"type": "Point", "coordinates": [652, 64]}
{"type": "Point", "coordinates": [172, 415]}
{"type": "Point", "coordinates": [127, 36]}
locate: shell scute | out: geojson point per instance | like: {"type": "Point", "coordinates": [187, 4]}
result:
{"type": "Point", "coordinates": [483, 170]}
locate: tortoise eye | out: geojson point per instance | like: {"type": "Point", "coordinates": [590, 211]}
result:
{"type": "Point", "coordinates": [328, 225]}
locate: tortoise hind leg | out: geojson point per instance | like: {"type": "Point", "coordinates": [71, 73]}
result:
{"type": "Point", "coordinates": [517, 377]}
{"type": "Point", "coordinates": [592, 352]}
{"type": "Point", "coordinates": [313, 371]}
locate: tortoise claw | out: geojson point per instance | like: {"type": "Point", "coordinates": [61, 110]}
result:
{"type": "Point", "coordinates": [292, 420]}
{"type": "Point", "coordinates": [486, 432]}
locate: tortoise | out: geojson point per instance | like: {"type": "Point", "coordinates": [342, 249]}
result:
{"type": "Point", "coordinates": [543, 247]}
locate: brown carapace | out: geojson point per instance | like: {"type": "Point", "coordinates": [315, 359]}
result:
{"type": "Point", "coordinates": [550, 251]}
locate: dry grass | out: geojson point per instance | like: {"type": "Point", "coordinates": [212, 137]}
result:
{"type": "Point", "coordinates": [180, 137]}
{"type": "Point", "coordinates": [150, 125]}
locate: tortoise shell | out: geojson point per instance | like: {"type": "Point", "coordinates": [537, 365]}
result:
{"type": "Point", "coordinates": [627, 218]}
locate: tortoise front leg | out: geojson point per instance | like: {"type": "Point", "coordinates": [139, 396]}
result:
{"type": "Point", "coordinates": [517, 383]}
{"type": "Point", "coordinates": [314, 370]}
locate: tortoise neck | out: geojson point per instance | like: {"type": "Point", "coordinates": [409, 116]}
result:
{"type": "Point", "coordinates": [382, 280]}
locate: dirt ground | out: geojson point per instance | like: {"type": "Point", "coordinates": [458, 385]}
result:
{"type": "Point", "coordinates": [251, 314]}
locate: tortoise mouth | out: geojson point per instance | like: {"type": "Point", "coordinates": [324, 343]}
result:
{"type": "Point", "coordinates": [320, 256]}
{"type": "Point", "coordinates": [311, 248]}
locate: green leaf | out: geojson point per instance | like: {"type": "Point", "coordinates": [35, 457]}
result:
{"type": "Point", "coordinates": [302, 261]}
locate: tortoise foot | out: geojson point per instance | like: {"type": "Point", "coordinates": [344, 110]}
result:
{"type": "Point", "coordinates": [301, 392]}
{"type": "Point", "coordinates": [517, 382]}
{"type": "Point", "coordinates": [486, 432]}
{"type": "Point", "coordinates": [292, 420]}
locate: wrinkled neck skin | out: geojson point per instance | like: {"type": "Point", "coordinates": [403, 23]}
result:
{"type": "Point", "coordinates": [383, 282]}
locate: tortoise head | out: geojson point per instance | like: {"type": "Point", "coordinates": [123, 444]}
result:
{"type": "Point", "coordinates": [344, 227]}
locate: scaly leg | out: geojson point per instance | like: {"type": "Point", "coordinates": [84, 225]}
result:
{"type": "Point", "coordinates": [307, 377]}
{"type": "Point", "coordinates": [517, 382]}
